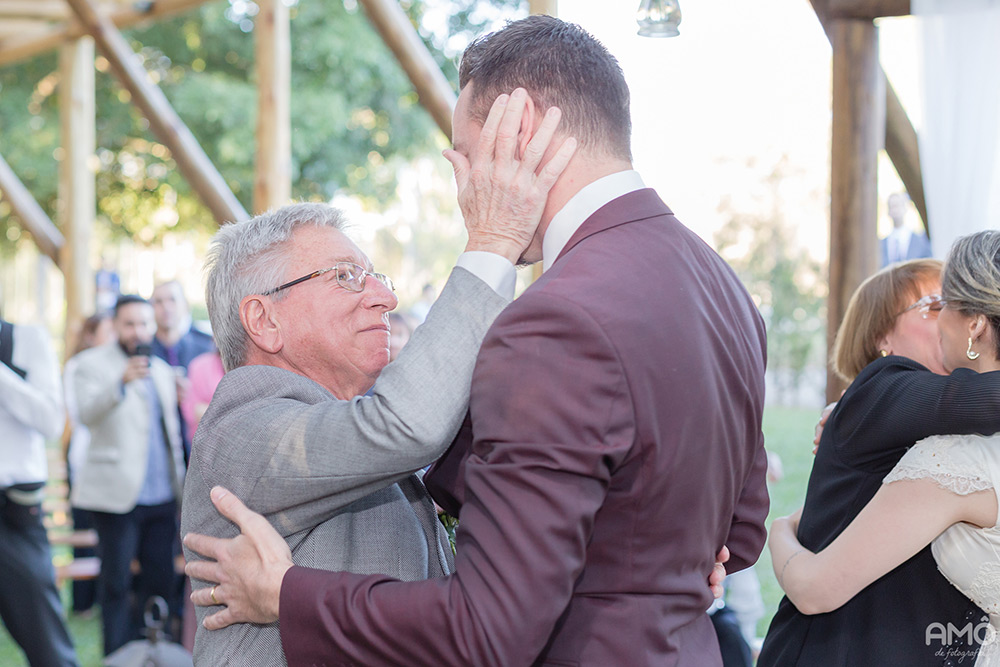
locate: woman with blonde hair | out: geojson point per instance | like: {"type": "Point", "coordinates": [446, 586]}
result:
{"type": "Point", "coordinates": [871, 597]}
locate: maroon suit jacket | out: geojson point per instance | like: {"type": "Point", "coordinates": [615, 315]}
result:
{"type": "Point", "coordinates": [616, 411]}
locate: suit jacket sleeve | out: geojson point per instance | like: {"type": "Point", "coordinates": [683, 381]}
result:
{"type": "Point", "coordinates": [747, 534]}
{"type": "Point", "coordinates": [553, 420]}
{"type": "Point", "coordinates": [98, 386]}
{"type": "Point", "coordinates": [298, 463]}
{"type": "Point", "coordinates": [895, 401]}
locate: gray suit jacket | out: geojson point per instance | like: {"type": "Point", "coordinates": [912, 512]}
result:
{"type": "Point", "coordinates": [115, 466]}
{"type": "Point", "coordinates": [334, 477]}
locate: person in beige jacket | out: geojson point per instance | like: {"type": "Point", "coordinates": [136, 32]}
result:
{"type": "Point", "coordinates": [132, 477]}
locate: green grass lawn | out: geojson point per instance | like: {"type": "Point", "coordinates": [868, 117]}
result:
{"type": "Point", "coordinates": [787, 431]}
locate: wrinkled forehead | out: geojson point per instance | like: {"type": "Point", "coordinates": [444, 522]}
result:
{"type": "Point", "coordinates": [315, 248]}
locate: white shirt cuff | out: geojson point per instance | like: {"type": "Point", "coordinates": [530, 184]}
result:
{"type": "Point", "coordinates": [494, 270]}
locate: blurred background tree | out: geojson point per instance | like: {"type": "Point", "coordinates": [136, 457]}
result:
{"type": "Point", "coordinates": [786, 282]}
{"type": "Point", "coordinates": [355, 117]}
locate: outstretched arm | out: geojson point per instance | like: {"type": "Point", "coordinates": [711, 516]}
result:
{"type": "Point", "coordinates": [902, 518]}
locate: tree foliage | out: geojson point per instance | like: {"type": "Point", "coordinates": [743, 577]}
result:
{"type": "Point", "coordinates": [786, 282]}
{"type": "Point", "coordinates": [354, 113]}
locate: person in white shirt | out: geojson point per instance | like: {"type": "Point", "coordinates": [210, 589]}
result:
{"type": "Point", "coordinates": [31, 411]}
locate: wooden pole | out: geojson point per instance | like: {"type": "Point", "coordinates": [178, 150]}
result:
{"type": "Point", "coordinates": [867, 9]}
{"type": "Point", "coordinates": [47, 237]}
{"type": "Point", "coordinates": [550, 7]}
{"type": "Point", "coordinates": [14, 49]}
{"type": "Point", "coordinates": [273, 169]}
{"type": "Point", "coordinates": [904, 150]}
{"type": "Point", "coordinates": [858, 123]}
{"type": "Point", "coordinates": [436, 94]}
{"type": "Point", "coordinates": [204, 179]}
{"type": "Point", "coordinates": [900, 137]}
{"type": "Point", "coordinates": [77, 183]}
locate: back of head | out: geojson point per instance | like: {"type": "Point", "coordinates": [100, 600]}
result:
{"type": "Point", "coordinates": [559, 64]}
{"type": "Point", "coordinates": [249, 257]}
{"type": "Point", "coordinates": [873, 309]}
{"type": "Point", "coordinates": [970, 281]}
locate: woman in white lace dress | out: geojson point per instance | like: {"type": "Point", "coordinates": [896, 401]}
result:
{"type": "Point", "coordinates": [943, 491]}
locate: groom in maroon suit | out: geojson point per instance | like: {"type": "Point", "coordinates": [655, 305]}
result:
{"type": "Point", "coordinates": [615, 442]}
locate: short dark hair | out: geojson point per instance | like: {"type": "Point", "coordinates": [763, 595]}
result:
{"type": "Point", "coordinates": [559, 64]}
{"type": "Point", "coordinates": [126, 299]}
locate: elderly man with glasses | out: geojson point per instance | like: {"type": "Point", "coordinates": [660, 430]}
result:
{"type": "Point", "coordinates": [301, 322]}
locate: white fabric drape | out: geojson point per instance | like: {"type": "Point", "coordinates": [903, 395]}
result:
{"type": "Point", "coordinates": [960, 140]}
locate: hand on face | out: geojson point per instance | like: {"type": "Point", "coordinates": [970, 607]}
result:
{"type": "Point", "coordinates": [502, 192]}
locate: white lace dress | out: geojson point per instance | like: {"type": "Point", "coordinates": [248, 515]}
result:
{"type": "Point", "coordinates": [969, 557]}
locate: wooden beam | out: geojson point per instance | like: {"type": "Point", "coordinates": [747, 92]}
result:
{"type": "Point", "coordinates": [551, 8]}
{"type": "Point", "coordinates": [199, 171]}
{"type": "Point", "coordinates": [77, 180]}
{"type": "Point", "coordinates": [904, 150]}
{"type": "Point", "coordinates": [436, 94]}
{"type": "Point", "coordinates": [13, 50]}
{"type": "Point", "coordinates": [273, 169]}
{"type": "Point", "coordinates": [38, 9]}
{"type": "Point", "coordinates": [858, 122]}
{"type": "Point", "coordinates": [900, 137]}
{"type": "Point", "coordinates": [867, 9]}
{"type": "Point", "coordinates": [47, 237]}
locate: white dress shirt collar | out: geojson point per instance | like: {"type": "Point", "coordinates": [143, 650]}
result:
{"type": "Point", "coordinates": [583, 205]}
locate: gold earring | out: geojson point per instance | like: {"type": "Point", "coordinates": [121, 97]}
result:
{"type": "Point", "coordinates": [969, 353]}
{"type": "Point", "coordinates": [883, 353]}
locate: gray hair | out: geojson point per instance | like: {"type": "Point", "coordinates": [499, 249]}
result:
{"type": "Point", "coordinates": [251, 257]}
{"type": "Point", "coordinates": [970, 282]}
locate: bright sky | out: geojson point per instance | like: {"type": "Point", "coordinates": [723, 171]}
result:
{"type": "Point", "coordinates": [745, 85]}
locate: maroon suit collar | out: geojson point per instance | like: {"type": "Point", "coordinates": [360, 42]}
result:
{"type": "Point", "coordinates": [631, 207]}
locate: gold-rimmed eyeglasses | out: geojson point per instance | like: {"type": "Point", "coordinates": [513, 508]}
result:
{"type": "Point", "coordinates": [349, 275]}
{"type": "Point", "coordinates": [929, 306]}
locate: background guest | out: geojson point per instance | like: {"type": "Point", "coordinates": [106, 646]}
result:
{"type": "Point", "coordinates": [176, 341]}
{"type": "Point", "coordinates": [97, 329]}
{"type": "Point", "coordinates": [131, 478]}
{"type": "Point", "coordinates": [31, 410]}
{"type": "Point", "coordinates": [902, 243]}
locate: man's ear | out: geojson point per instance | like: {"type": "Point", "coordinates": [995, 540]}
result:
{"type": "Point", "coordinates": [529, 123]}
{"type": "Point", "coordinates": [261, 324]}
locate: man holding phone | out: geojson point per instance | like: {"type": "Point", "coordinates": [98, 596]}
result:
{"type": "Point", "coordinates": [132, 477]}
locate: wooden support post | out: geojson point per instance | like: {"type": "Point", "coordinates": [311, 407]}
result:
{"type": "Point", "coordinates": [904, 150]}
{"type": "Point", "coordinates": [47, 237]}
{"type": "Point", "coordinates": [204, 179]}
{"type": "Point", "coordinates": [273, 169]}
{"type": "Point", "coordinates": [858, 123]}
{"type": "Point", "coordinates": [867, 9]}
{"type": "Point", "coordinates": [12, 50]}
{"type": "Point", "coordinates": [900, 137]}
{"type": "Point", "coordinates": [77, 186]}
{"type": "Point", "coordinates": [436, 94]}
{"type": "Point", "coordinates": [550, 7]}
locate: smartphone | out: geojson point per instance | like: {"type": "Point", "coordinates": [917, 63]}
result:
{"type": "Point", "coordinates": [143, 350]}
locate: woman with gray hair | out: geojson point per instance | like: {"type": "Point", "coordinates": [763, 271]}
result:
{"type": "Point", "coordinates": [942, 492]}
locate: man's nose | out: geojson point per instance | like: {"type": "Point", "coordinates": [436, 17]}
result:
{"type": "Point", "coordinates": [378, 295]}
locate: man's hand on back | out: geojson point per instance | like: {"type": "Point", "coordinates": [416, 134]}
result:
{"type": "Point", "coordinates": [247, 570]}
